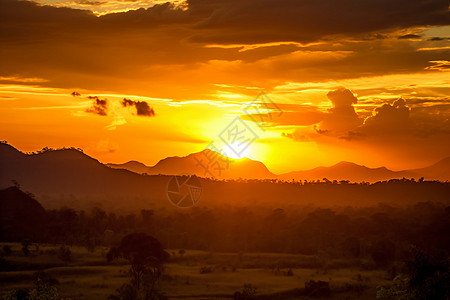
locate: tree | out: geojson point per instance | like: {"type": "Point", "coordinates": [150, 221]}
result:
{"type": "Point", "coordinates": [146, 256]}
{"type": "Point", "coordinates": [64, 254]}
{"type": "Point", "coordinates": [426, 278]}
{"type": "Point", "coordinates": [429, 277]}
{"type": "Point", "coordinates": [26, 247]}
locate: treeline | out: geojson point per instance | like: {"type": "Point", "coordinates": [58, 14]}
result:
{"type": "Point", "coordinates": [383, 233]}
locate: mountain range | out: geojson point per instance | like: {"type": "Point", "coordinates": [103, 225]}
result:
{"type": "Point", "coordinates": [206, 163]}
{"type": "Point", "coordinates": [251, 169]}
{"type": "Point", "coordinates": [69, 177]}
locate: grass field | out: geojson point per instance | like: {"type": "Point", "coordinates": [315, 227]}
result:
{"type": "Point", "coordinates": [193, 275]}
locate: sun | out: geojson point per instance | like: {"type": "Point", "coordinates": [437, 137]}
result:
{"type": "Point", "coordinates": [236, 150]}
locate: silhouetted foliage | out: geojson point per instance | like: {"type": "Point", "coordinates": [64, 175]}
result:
{"type": "Point", "coordinates": [247, 293]}
{"type": "Point", "coordinates": [426, 277]}
{"type": "Point", "coordinates": [317, 289]}
{"type": "Point", "coordinates": [26, 247]}
{"type": "Point", "coordinates": [64, 254]}
{"type": "Point", "coordinates": [44, 289]}
{"type": "Point", "coordinates": [6, 250]}
{"type": "Point", "coordinates": [376, 235]}
{"type": "Point", "coordinates": [146, 256]}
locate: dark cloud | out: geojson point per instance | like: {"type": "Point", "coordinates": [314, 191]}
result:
{"type": "Point", "coordinates": [441, 65]}
{"type": "Point", "coordinates": [342, 98]}
{"type": "Point", "coordinates": [75, 94]}
{"type": "Point", "coordinates": [99, 106]}
{"type": "Point", "coordinates": [438, 38]}
{"type": "Point", "coordinates": [237, 21]}
{"type": "Point", "coordinates": [90, 3]}
{"type": "Point", "coordinates": [256, 21]}
{"type": "Point", "coordinates": [400, 120]}
{"type": "Point", "coordinates": [427, 117]}
{"type": "Point", "coordinates": [342, 116]}
{"type": "Point", "coordinates": [337, 121]}
{"type": "Point", "coordinates": [164, 46]}
{"type": "Point", "coordinates": [142, 107]}
{"type": "Point", "coordinates": [409, 37]}
{"type": "Point", "coordinates": [388, 118]}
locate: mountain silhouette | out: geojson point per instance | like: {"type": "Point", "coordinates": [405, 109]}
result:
{"type": "Point", "coordinates": [349, 171]}
{"type": "Point", "coordinates": [133, 166]}
{"type": "Point", "coordinates": [206, 163]}
{"type": "Point", "coordinates": [437, 171]}
{"type": "Point", "coordinates": [20, 215]}
{"type": "Point", "coordinates": [68, 177]}
{"type": "Point", "coordinates": [250, 169]}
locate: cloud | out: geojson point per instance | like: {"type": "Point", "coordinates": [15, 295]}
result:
{"type": "Point", "coordinates": [167, 50]}
{"type": "Point", "coordinates": [388, 118]}
{"type": "Point", "coordinates": [401, 121]}
{"type": "Point", "coordinates": [440, 65]}
{"type": "Point", "coordinates": [99, 106]}
{"type": "Point", "coordinates": [142, 107]}
{"type": "Point", "coordinates": [305, 21]}
{"type": "Point", "coordinates": [298, 136]}
{"type": "Point", "coordinates": [118, 120]}
{"type": "Point", "coordinates": [409, 37]}
{"type": "Point", "coordinates": [438, 39]}
{"type": "Point", "coordinates": [21, 80]}
{"type": "Point", "coordinates": [342, 116]}
{"type": "Point", "coordinates": [335, 122]}
{"type": "Point", "coordinates": [282, 114]}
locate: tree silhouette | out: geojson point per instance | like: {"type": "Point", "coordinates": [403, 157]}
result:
{"type": "Point", "coordinates": [426, 278]}
{"type": "Point", "coordinates": [429, 277]}
{"type": "Point", "coordinates": [145, 255]}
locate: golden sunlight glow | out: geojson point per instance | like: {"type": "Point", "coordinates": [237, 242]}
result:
{"type": "Point", "coordinates": [236, 151]}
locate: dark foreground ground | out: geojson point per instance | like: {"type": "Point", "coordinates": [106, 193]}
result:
{"type": "Point", "coordinates": [194, 274]}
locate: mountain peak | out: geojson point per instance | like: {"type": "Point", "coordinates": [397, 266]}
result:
{"type": "Point", "coordinates": [206, 163]}
{"type": "Point", "coordinates": [346, 164]}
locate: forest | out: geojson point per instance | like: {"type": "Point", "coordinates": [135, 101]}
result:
{"type": "Point", "coordinates": [371, 238]}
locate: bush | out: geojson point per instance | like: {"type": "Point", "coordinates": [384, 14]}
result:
{"type": "Point", "coordinates": [248, 292]}
{"type": "Point", "coordinates": [316, 289]}
{"type": "Point", "coordinates": [41, 278]}
{"type": "Point", "coordinates": [26, 247]}
{"type": "Point", "coordinates": [7, 250]}
{"type": "Point", "coordinates": [64, 254]}
{"type": "Point", "coordinates": [44, 289]}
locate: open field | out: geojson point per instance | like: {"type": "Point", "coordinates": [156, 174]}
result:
{"type": "Point", "coordinates": [193, 275]}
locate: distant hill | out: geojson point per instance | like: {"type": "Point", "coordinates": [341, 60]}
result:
{"type": "Point", "coordinates": [349, 171]}
{"type": "Point", "coordinates": [20, 215]}
{"type": "Point", "coordinates": [133, 166]}
{"type": "Point", "coordinates": [201, 164]}
{"type": "Point", "coordinates": [438, 171]}
{"type": "Point", "coordinates": [250, 169]}
{"type": "Point", "coordinates": [70, 177]}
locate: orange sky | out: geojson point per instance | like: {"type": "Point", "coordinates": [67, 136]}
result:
{"type": "Point", "coordinates": [335, 73]}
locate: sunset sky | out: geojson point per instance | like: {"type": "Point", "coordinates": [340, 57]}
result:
{"type": "Point", "coordinates": [361, 81]}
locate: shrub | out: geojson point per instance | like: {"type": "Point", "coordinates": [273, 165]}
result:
{"type": "Point", "coordinates": [7, 250]}
{"type": "Point", "coordinates": [64, 253]}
